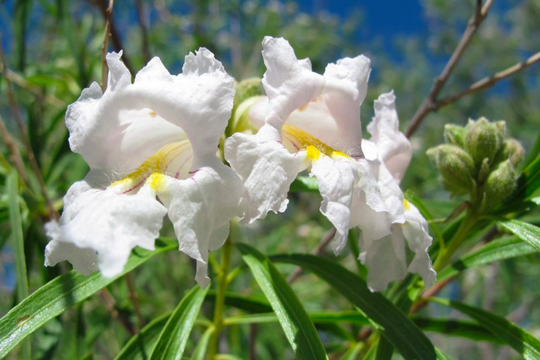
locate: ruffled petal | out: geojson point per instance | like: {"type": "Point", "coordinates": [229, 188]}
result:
{"type": "Point", "coordinates": [266, 168]}
{"type": "Point", "coordinates": [386, 260]}
{"type": "Point", "coordinates": [117, 131]}
{"type": "Point", "coordinates": [419, 241]}
{"type": "Point", "coordinates": [200, 209]}
{"type": "Point", "coordinates": [350, 198]}
{"type": "Point", "coordinates": [83, 260]}
{"type": "Point", "coordinates": [289, 83]}
{"type": "Point", "coordinates": [107, 223]}
{"type": "Point", "coordinates": [393, 147]}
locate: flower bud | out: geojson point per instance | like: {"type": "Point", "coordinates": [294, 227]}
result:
{"type": "Point", "coordinates": [247, 88]}
{"type": "Point", "coordinates": [454, 134]}
{"type": "Point", "coordinates": [511, 150]}
{"type": "Point", "coordinates": [455, 168]}
{"type": "Point", "coordinates": [500, 183]}
{"type": "Point", "coordinates": [483, 139]}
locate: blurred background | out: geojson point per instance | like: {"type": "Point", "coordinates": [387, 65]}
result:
{"type": "Point", "coordinates": [53, 51]}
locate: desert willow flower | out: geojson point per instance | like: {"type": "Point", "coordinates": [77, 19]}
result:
{"type": "Point", "coordinates": [312, 121]}
{"type": "Point", "coordinates": [151, 146]}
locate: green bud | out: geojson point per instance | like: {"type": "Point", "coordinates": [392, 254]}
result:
{"type": "Point", "coordinates": [511, 150]}
{"type": "Point", "coordinates": [247, 88]}
{"type": "Point", "coordinates": [454, 134]}
{"type": "Point", "coordinates": [483, 140]}
{"type": "Point", "coordinates": [500, 183]}
{"type": "Point", "coordinates": [455, 168]}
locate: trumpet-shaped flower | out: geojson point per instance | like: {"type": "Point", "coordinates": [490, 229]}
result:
{"type": "Point", "coordinates": [310, 121]}
{"type": "Point", "coordinates": [151, 146]}
{"type": "Point", "coordinates": [389, 154]}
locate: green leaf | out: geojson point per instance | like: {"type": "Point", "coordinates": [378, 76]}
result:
{"type": "Point", "coordinates": [173, 338]}
{"type": "Point", "coordinates": [141, 345]}
{"type": "Point", "coordinates": [246, 303]}
{"type": "Point", "coordinates": [496, 250]}
{"type": "Point", "coordinates": [353, 352]}
{"type": "Point", "coordinates": [385, 349]}
{"type": "Point", "coordinates": [18, 244]}
{"type": "Point", "coordinates": [526, 232]}
{"type": "Point", "coordinates": [294, 320]}
{"type": "Point", "coordinates": [458, 328]}
{"type": "Point", "coordinates": [411, 342]}
{"type": "Point", "coordinates": [523, 342]}
{"type": "Point", "coordinates": [352, 317]}
{"type": "Point", "coordinates": [59, 294]}
{"type": "Point", "coordinates": [304, 184]}
{"type": "Point", "coordinates": [200, 350]}
{"type": "Point", "coordinates": [17, 234]}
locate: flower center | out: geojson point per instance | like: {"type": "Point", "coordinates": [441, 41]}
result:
{"type": "Point", "coordinates": [296, 140]}
{"type": "Point", "coordinates": [172, 160]}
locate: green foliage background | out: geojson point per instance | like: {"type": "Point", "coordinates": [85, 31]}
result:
{"type": "Point", "coordinates": [55, 51]}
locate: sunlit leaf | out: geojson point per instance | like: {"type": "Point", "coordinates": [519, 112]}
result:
{"type": "Point", "coordinates": [523, 342]}
{"type": "Point", "coordinates": [294, 320]}
{"type": "Point", "coordinates": [61, 293]}
{"type": "Point", "coordinates": [526, 232]}
{"type": "Point", "coordinates": [496, 250]}
{"type": "Point", "coordinates": [410, 341]}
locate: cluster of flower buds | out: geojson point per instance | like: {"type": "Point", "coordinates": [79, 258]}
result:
{"type": "Point", "coordinates": [478, 160]}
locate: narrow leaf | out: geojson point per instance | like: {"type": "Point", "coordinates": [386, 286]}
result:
{"type": "Point", "coordinates": [458, 328]}
{"type": "Point", "coordinates": [200, 350]}
{"type": "Point", "coordinates": [59, 294]}
{"type": "Point", "coordinates": [523, 342]}
{"type": "Point", "coordinates": [140, 346]}
{"type": "Point", "coordinates": [411, 342]}
{"type": "Point", "coordinates": [173, 338]}
{"type": "Point", "coordinates": [18, 245]}
{"type": "Point", "coordinates": [17, 235]}
{"type": "Point", "coordinates": [246, 303]}
{"type": "Point", "coordinates": [526, 232]}
{"type": "Point", "coordinates": [294, 320]}
{"type": "Point", "coordinates": [496, 250]}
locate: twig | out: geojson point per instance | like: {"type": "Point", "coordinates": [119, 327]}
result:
{"type": "Point", "coordinates": [109, 302]}
{"type": "Point", "coordinates": [104, 47]}
{"type": "Point", "coordinates": [116, 40]}
{"type": "Point", "coordinates": [134, 300]}
{"type": "Point", "coordinates": [318, 251]}
{"type": "Point", "coordinates": [15, 155]}
{"type": "Point", "coordinates": [144, 31]}
{"type": "Point", "coordinates": [434, 290]}
{"type": "Point", "coordinates": [489, 81]}
{"type": "Point", "coordinates": [474, 23]}
{"type": "Point", "coordinates": [52, 213]}
{"type": "Point", "coordinates": [252, 341]}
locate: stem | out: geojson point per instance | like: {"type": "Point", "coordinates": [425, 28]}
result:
{"type": "Point", "coordinates": [220, 299]}
{"type": "Point", "coordinates": [445, 254]}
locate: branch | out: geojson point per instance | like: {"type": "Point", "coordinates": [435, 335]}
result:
{"type": "Point", "coordinates": [480, 13]}
{"type": "Point", "coordinates": [489, 81]}
{"type": "Point", "coordinates": [52, 213]}
{"type": "Point", "coordinates": [104, 47]}
{"type": "Point", "coordinates": [144, 31]}
{"type": "Point", "coordinates": [109, 302]}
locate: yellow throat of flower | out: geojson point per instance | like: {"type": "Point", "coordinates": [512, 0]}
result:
{"type": "Point", "coordinates": [315, 148]}
{"type": "Point", "coordinates": [152, 172]}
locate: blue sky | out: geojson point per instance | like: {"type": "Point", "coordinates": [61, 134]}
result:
{"type": "Point", "coordinates": [385, 18]}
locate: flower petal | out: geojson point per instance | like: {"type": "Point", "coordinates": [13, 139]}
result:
{"type": "Point", "coordinates": [385, 259]}
{"type": "Point", "coordinates": [415, 231]}
{"type": "Point", "coordinates": [118, 131]}
{"type": "Point", "coordinates": [200, 209]}
{"type": "Point", "coordinates": [108, 223]}
{"type": "Point", "coordinates": [266, 168]}
{"type": "Point", "coordinates": [393, 147]}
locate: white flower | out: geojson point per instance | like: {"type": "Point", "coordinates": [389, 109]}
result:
{"type": "Point", "coordinates": [389, 154]}
{"type": "Point", "coordinates": [310, 121]}
{"type": "Point", "coordinates": [155, 138]}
